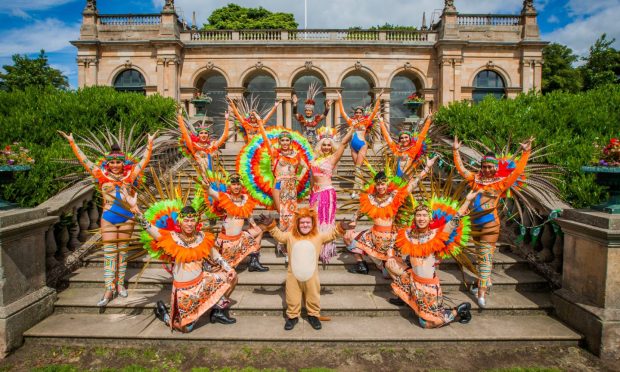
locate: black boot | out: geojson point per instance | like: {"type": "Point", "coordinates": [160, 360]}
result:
{"type": "Point", "coordinates": [255, 264]}
{"type": "Point", "coordinates": [219, 316]}
{"type": "Point", "coordinates": [314, 322]}
{"type": "Point", "coordinates": [290, 323]}
{"type": "Point", "coordinates": [463, 312]}
{"type": "Point", "coordinates": [160, 311]}
{"type": "Point", "coordinates": [360, 268]}
{"type": "Point", "coordinates": [397, 301]}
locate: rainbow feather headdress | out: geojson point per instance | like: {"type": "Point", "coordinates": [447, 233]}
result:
{"type": "Point", "coordinates": [325, 132]}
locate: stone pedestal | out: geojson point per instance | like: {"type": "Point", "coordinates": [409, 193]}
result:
{"type": "Point", "coordinates": [589, 299]}
{"type": "Point", "coordinates": [24, 298]}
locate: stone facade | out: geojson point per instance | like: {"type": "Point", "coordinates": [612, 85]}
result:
{"type": "Point", "coordinates": [442, 61]}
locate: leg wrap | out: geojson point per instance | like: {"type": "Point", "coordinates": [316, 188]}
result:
{"type": "Point", "coordinates": [485, 263]}
{"type": "Point", "coordinates": [122, 262]}
{"type": "Point", "coordinates": [109, 266]}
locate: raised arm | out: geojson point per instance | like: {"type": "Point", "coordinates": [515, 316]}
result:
{"type": "Point", "coordinates": [235, 111]}
{"type": "Point", "coordinates": [185, 133]}
{"type": "Point", "coordinates": [335, 232]}
{"type": "Point", "coordinates": [271, 112]}
{"type": "Point", "coordinates": [279, 235]}
{"type": "Point", "coordinates": [138, 168]}
{"type": "Point", "coordinates": [526, 147]}
{"type": "Point", "coordinates": [263, 133]}
{"type": "Point", "coordinates": [132, 201]}
{"type": "Point", "coordinates": [343, 113]}
{"type": "Point", "coordinates": [458, 162]}
{"type": "Point", "coordinates": [414, 182]}
{"type": "Point", "coordinates": [343, 145]}
{"type": "Point", "coordinates": [224, 135]}
{"type": "Point", "coordinates": [322, 116]}
{"type": "Point", "coordinates": [454, 222]}
{"type": "Point", "coordinates": [87, 164]}
{"type": "Point", "coordinates": [386, 136]}
{"type": "Point", "coordinates": [375, 109]}
{"type": "Point", "coordinates": [422, 136]}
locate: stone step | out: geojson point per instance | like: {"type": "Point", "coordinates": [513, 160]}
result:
{"type": "Point", "coordinates": [333, 302]}
{"type": "Point", "coordinates": [157, 277]}
{"type": "Point", "coordinates": [128, 329]}
{"type": "Point", "coordinates": [501, 261]}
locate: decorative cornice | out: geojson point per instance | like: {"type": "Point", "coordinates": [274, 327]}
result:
{"type": "Point", "coordinates": [87, 61]}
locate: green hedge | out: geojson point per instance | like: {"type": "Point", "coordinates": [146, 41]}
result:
{"type": "Point", "coordinates": [571, 123]}
{"type": "Point", "coordinates": [33, 117]}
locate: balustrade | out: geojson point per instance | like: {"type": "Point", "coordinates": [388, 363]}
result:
{"type": "Point", "coordinates": [488, 20]}
{"type": "Point", "coordinates": [129, 19]}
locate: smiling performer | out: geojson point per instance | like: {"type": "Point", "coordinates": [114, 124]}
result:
{"type": "Point", "coordinates": [115, 172]}
{"type": "Point", "coordinates": [494, 179]}
{"type": "Point", "coordinates": [323, 196]}
{"type": "Point", "coordinates": [362, 124]}
{"type": "Point", "coordinates": [199, 145]}
{"type": "Point", "coordinates": [439, 230]}
{"type": "Point", "coordinates": [410, 149]}
{"type": "Point", "coordinates": [309, 121]}
{"type": "Point", "coordinates": [381, 202]}
{"type": "Point", "coordinates": [303, 243]}
{"type": "Point", "coordinates": [247, 115]}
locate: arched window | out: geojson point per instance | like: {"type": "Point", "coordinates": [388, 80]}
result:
{"type": "Point", "coordinates": [356, 91]}
{"type": "Point", "coordinates": [300, 86]}
{"type": "Point", "coordinates": [214, 85]}
{"type": "Point", "coordinates": [263, 87]}
{"type": "Point", "coordinates": [402, 86]}
{"type": "Point", "coordinates": [130, 81]}
{"type": "Point", "coordinates": [488, 82]}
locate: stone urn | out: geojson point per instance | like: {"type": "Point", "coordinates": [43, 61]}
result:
{"type": "Point", "coordinates": [414, 106]}
{"type": "Point", "coordinates": [200, 102]}
{"type": "Point", "coordinates": [7, 176]}
{"type": "Point", "coordinates": [608, 177]}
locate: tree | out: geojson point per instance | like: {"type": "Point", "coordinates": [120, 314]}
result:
{"type": "Point", "coordinates": [558, 72]}
{"type": "Point", "coordinates": [27, 72]}
{"type": "Point", "coordinates": [602, 65]}
{"type": "Point", "coordinates": [235, 17]}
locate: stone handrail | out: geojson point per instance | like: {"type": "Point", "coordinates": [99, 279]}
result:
{"type": "Point", "coordinates": [488, 20]}
{"type": "Point", "coordinates": [315, 35]}
{"type": "Point", "coordinates": [129, 19]}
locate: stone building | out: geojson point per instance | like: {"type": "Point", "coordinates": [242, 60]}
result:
{"type": "Point", "coordinates": [459, 57]}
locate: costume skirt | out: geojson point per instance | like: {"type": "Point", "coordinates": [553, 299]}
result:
{"type": "Point", "coordinates": [191, 299]}
{"type": "Point", "coordinates": [376, 241]}
{"type": "Point", "coordinates": [235, 248]}
{"type": "Point", "coordinates": [324, 201]}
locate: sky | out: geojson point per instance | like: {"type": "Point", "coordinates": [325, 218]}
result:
{"type": "Point", "coordinates": [27, 26]}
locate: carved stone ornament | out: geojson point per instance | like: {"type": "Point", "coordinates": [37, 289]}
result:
{"type": "Point", "coordinates": [91, 5]}
{"type": "Point", "coordinates": [308, 65]}
{"type": "Point", "coordinates": [259, 65]}
{"type": "Point", "coordinates": [87, 61]}
{"type": "Point", "coordinates": [490, 65]}
{"type": "Point", "coordinates": [169, 5]}
{"type": "Point", "coordinates": [528, 6]}
{"type": "Point", "coordinates": [127, 64]}
{"type": "Point", "coordinates": [407, 66]}
{"type": "Point", "coordinates": [209, 65]}
{"type": "Point", "coordinates": [358, 65]}
{"type": "Point", "coordinates": [449, 6]}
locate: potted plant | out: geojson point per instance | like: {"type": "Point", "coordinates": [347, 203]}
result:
{"type": "Point", "coordinates": [607, 171]}
{"type": "Point", "coordinates": [13, 159]}
{"type": "Point", "coordinates": [414, 101]}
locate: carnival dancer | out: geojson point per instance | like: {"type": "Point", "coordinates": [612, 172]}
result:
{"type": "Point", "coordinates": [202, 279]}
{"type": "Point", "coordinates": [323, 197]}
{"type": "Point", "coordinates": [410, 149]}
{"type": "Point", "coordinates": [309, 121]}
{"type": "Point", "coordinates": [494, 183]}
{"type": "Point", "coordinates": [115, 173]}
{"type": "Point", "coordinates": [381, 202]}
{"type": "Point", "coordinates": [303, 244]}
{"type": "Point", "coordinates": [439, 231]}
{"type": "Point", "coordinates": [362, 124]}
{"type": "Point", "coordinates": [288, 167]}
{"type": "Point", "coordinates": [199, 145]}
{"type": "Point", "coordinates": [248, 117]}
{"type": "Point", "coordinates": [234, 243]}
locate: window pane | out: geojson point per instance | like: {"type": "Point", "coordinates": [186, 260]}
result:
{"type": "Point", "coordinates": [215, 87]}
{"type": "Point", "coordinates": [402, 86]}
{"type": "Point", "coordinates": [356, 91]}
{"type": "Point", "coordinates": [130, 81]}
{"type": "Point", "coordinates": [301, 88]}
{"type": "Point", "coordinates": [488, 82]}
{"type": "Point", "coordinates": [263, 87]}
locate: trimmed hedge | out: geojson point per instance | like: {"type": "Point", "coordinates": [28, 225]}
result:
{"type": "Point", "coordinates": [33, 117]}
{"type": "Point", "coordinates": [572, 123]}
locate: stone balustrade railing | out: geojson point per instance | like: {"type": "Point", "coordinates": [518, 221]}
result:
{"type": "Point", "coordinates": [129, 19]}
{"type": "Point", "coordinates": [488, 20]}
{"type": "Point", "coordinates": [78, 210]}
{"type": "Point", "coordinates": [323, 35]}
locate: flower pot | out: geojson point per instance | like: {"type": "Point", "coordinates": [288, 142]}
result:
{"type": "Point", "coordinates": [610, 178]}
{"type": "Point", "coordinates": [414, 106]}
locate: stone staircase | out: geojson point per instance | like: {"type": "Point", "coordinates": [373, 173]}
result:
{"type": "Point", "coordinates": [519, 308]}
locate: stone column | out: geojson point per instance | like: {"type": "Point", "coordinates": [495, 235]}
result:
{"type": "Point", "coordinates": [333, 117]}
{"type": "Point", "coordinates": [284, 109]}
{"type": "Point", "coordinates": [161, 77]}
{"type": "Point", "coordinates": [589, 299]}
{"type": "Point", "coordinates": [235, 93]}
{"type": "Point", "coordinates": [25, 300]}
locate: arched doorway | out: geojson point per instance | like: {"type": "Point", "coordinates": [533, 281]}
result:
{"type": "Point", "coordinates": [130, 80]}
{"type": "Point", "coordinates": [402, 86]}
{"type": "Point", "coordinates": [356, 91]}
{"type": "Point", "coordinates": [488, 82]}
{"type": "Point", "coordinates": [214, 85]}
{"type": "Point", "coordinates": [262, 86]}
{"type": "Point", "coordinates": [300, 87]}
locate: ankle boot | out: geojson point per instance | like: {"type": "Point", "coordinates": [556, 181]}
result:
{"type": "Point", "coordinates": [360, 268]}
{"type": "Point", "coordinates": [464, 312]}
{"type": "Point", "coordinates": [219, 316]}
{"type": "Point", "coordinates": [160, 311]}
{"type": "Point", "coordinates": [255, 264]}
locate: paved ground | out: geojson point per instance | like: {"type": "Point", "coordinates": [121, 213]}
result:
{"type": "Point", "coordinates": [318, 357]}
